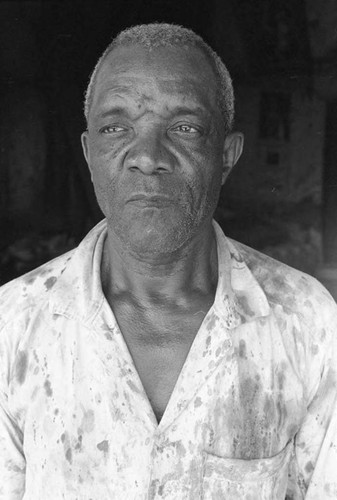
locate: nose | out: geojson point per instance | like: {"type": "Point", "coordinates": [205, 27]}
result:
{"type": "Point", "coordinates": [149, 155]}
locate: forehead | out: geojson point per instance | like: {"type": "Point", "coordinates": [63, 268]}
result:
{"type": "Point", "coordinates": [172, 72]}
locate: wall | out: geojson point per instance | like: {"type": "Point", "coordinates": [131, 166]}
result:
{"type": "Point", "coordinates": [281, 169]}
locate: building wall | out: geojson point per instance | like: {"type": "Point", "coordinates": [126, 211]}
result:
{"type": "Point", "coordinates": [283, 153]}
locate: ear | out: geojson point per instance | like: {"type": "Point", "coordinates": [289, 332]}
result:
{"type": "Point", "coordinates": [233, 147]}
{"type": "Point", "coordinates": [85, 147]}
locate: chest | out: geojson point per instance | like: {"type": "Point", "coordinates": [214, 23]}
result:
{"type": "Point", "coordinates": [159, 345]}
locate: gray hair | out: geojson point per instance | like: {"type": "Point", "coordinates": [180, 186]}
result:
{"type": "Point", "coordinates": [156, 35]}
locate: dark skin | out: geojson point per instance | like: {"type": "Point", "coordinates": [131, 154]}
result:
{"type": "Point", "coordinates": [158, 155]}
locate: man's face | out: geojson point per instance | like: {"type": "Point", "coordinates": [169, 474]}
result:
{"type": "Point", "coordinates": [155, 146]}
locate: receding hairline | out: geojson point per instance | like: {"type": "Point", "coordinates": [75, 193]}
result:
{"type": "Point", "coordinates": [163, 35]}
{"type": "Point", "coordinates": [183, 49]}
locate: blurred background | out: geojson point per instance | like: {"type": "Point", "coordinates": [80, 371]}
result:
{"type": "Point", "coordinates": [282, 196]}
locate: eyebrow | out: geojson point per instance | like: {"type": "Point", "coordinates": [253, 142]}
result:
{"type": "Point", "coordinates": [176, 111]}
{"type": "Point", "coordinates": [115, 110]}
{"type": "Point", "coordinates": [189, 110]}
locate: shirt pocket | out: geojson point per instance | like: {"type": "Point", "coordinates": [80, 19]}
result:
{"type": "Point", "coordinates": [235, 479]}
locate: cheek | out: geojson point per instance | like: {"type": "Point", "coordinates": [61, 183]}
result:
{"type": "Point", "coordinates": [208, 169]}
{"type": "Point", "coordinates": [104, 183]}
{"type": "Point", "coordinates": [104, 150]}
{"type": "Point", "coordinates": [105, 163]}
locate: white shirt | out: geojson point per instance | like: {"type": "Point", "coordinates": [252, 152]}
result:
{"type": "Point", "coordinates": [254, 402]}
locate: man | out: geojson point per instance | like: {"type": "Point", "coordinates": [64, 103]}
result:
{"type": "Point", "coordinates": [159, 359]}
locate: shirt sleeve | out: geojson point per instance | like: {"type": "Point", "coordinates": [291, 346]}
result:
{"type": "Point", "coordinates": [313, 470]}
{"type": "Point", "coordinates": [12, 460]}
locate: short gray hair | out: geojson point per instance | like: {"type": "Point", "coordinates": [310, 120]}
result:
{"type": "Point", "coordinates": [156, 35]}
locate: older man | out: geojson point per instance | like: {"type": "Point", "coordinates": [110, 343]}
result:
{"type": "Point", "coordinates": [160, 359]}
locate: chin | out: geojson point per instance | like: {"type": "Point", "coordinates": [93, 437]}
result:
{"type": "Point", "coordinates": [156, 238]}
{"type": "Point", "coordinates": [152, 241]}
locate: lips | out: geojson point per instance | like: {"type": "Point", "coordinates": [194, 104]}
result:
{"type": "Point", "coordinates": [144, 199]}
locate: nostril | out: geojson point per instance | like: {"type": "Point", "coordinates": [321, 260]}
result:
{"type": "Point", "coordinates": [148, 168]}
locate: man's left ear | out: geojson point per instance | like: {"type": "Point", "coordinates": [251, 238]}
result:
{"type": "Point", "coordinates": [233, 147]}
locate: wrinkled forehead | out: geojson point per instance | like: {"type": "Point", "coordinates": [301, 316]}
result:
{"type": "Point", "coordinates": [176, 60]}
{"type": "Point", "coordinates": [184, 72]}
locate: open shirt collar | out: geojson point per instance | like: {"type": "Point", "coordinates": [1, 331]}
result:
{"type": "Point", "coordinates": [78, 292]}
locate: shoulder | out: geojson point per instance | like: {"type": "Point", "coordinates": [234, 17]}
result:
{"type": "Point", "coordinates": [23, 303]}
{"type": "Point", "coordinates": [303, 312]}
{"type": "Point", "coordinates": [32, 290]}
{"type": "Point", "coordinates": [285, 286]}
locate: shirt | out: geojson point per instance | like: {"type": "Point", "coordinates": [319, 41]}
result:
{"type": "Point", "coordinates": [252, 415]}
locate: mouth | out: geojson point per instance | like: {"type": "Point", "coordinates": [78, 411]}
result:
{"type": "Point", "coordinates": [150, 200]}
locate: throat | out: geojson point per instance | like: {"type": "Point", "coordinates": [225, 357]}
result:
{"type": "Point", "coordinates": [177, 277]}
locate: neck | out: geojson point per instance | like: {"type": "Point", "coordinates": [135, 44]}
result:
{"type": "Point", "coordinates": [176, 276]}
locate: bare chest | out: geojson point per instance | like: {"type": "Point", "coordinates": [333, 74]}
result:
{"type": "Point", "coordinates": [159, 347]}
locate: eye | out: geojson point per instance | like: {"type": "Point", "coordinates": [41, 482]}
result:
{"type": "Point", "coordinates": [185, 128]}
{"type": "Point", "coordinates": [112, 129]}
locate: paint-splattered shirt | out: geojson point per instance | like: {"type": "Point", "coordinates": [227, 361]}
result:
{"type": "Point", "coordinates": [252, 416]}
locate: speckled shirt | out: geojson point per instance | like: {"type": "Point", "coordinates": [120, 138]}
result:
{"type": "Point", "coordinates": [252, 416]}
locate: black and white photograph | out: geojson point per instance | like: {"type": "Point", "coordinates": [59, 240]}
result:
{"type": "Point", "coordinates": [168, 250]}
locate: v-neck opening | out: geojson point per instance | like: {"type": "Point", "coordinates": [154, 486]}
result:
{"type": "Point", "coordinates": [125, 351]}
{"type": "Point", "coordinates": [198, 346]}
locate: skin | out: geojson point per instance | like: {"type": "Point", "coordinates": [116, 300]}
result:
{"type": "Point", "coordinates": [158, 156]}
